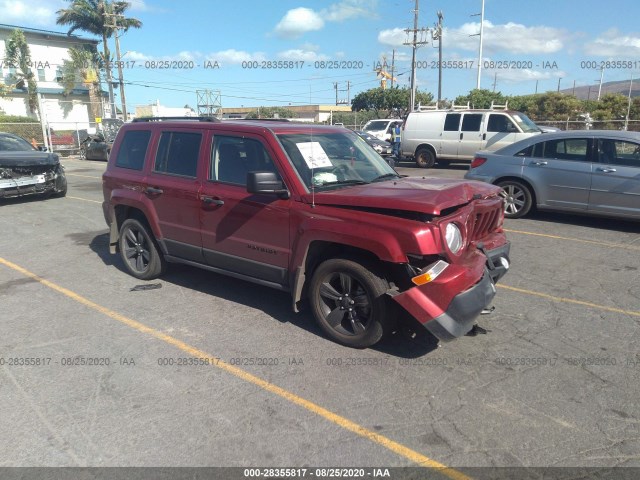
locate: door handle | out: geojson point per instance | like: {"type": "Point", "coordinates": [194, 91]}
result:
{"type": "Point", "coordinates": [153, 191]}
{"type": "Point", "coordinates": [212, 201]}
{"type": "Point", "coordinates": [461, 135]}
{"type": "Point", "coordinates": [484, 136]}
{"type": "Point", "coordinates": [605, 170]}
{"type": "Point", "coordinates": [539, 163]}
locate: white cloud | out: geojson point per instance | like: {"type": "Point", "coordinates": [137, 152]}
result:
{"type": "Point", "coordinates": [613, 43]}
{"type": "Point", "coordinates": [235, 56]}
{"type": "Point", "coordinates": [341, 11]}
{"type": "Point", "coordinates": [298, 54]}
{"type": "Point", "coordinates": [31, 12]}
{"type": "Point", "coordinates": [509, 37]}
{"type": "Point", "coordinates": [297, 22]}
{"type": "Point", "coordinates": [139, 5]}
{"type": "Point", "coordinates": [518, 76]}
{"type": "Point", "coordinates": [301, 20]}
{"type": "Point", "coordinates": [394, 37]}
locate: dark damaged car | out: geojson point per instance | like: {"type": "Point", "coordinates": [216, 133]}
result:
{"type": "Point", "coordinates": [24, 170]}
{"type": "Point", "coordinates": [310, 210]}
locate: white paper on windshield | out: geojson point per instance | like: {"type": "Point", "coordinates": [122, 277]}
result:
{"type": "Point", "coordinates": [314, 154]}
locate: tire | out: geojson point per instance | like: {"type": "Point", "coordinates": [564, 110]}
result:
{"type": "Point", "coordinates": [340, 284]}
{"type": "Point", "coordinates": [518, 198]}
{"type": "Point", "coordinates": [139, 250]}
{"type": "Point", "coordinates": [425, 158]}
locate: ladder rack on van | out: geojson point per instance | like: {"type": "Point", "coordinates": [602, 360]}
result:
{"type": "Point", "coordinates": [499, 107]}
{"type": "Point", "coordinates": [455, 107]}
{"type": "Point", "coordinates": [422, 108]}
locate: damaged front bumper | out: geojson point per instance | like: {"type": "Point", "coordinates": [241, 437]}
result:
{"type": "Point", "coordinates": [40, 179]}
{"type": "Point", "coordinates": [459, 316]}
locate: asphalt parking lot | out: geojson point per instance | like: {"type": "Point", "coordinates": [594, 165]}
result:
{"type": "Point", "coordinates": [211, 371]}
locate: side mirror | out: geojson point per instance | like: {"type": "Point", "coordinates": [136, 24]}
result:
{"type": "Point", "coordinates": [42, 148]}
{"type": "Point", "coordinates": [266, 183]}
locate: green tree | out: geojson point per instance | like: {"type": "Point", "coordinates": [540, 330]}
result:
{"type": "Point", "coordinates": [481, 98]}
{"type": "Point", "coordinates": [84, 67]}
{"type": "Point", "coordinates": [387, 102]}
{"type": "Point", "coordinates": [272, 112]}
{"type": "Point", "coordinates": [98, 17]}
{"type": "Point", "coordinates": [18, 56]}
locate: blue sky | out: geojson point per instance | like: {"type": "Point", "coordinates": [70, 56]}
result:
{"type": "Point", "coordinates": [565, 36]}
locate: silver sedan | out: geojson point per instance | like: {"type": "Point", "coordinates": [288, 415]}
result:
{"type": "Point", "coordinates": [581, 171]}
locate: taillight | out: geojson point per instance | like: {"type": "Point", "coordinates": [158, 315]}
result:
{"type": "Point", "coordinates": [477, 161]}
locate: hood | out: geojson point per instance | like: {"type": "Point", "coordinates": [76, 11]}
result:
{"type": "Point", "coordinates": [27, 159]}
{"type": "Point", "coordinates": [425, 195]}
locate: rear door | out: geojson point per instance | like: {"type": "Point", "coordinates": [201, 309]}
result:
{"type": "Point", "coordinates": [173, 188]}
{"type": "Point", "coordinates": [470, 135]}
{"type": "Point", "coordinates": [616, 178]}
{"type": "Point", "coordinates": [450, 137]}
{"type": "Point", "coordinates": [243, 233]}
{"type": "Point", "coordinates": [560, 170]}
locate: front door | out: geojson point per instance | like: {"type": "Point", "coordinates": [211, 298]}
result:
{"type": "Point", "coordinates": [243, 233]}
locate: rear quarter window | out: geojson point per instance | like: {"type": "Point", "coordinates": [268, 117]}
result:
{"type": "Point", "coordinates": [133, 149]}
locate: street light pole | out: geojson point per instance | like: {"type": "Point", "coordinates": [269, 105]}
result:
{"type": "Point", "coordinates": [480, 49]}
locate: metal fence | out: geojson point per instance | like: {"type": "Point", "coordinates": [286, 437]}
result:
{"type": "Point", "coordinates": [631, 125]}
{"type": "Point", "coordinates": [64, 141]}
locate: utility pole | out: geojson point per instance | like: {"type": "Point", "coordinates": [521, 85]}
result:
{"type": "Point", "coordinates": [536, 87]}
{"type": "Point", "coordinates": [107, 60]}
{"type": "Point", "coordinates": [437, 35]}
{"type": "Point", "coordinates": [559, 78]}
{"type": "Point", "coordinates": [335, 87]}
{"type": "Point", "coordinates": [480, 48]}
{"type": "Point", "coordinates": [573, 92]}
{"type": "Point", "coordinates": [393, 65]}
{"type": "Point", "coordinates": [116, 27]}
{"type": "Point", "coordinates": [495, 81]}
{"type": "Point", "coordinates": [626, 120]}
{"type": "Point", "coordinates": [600, 87]}
{"type": "Point", "coordinates": [414, 44]}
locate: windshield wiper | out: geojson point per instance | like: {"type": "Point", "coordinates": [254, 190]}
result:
{"type": "Point", "coordinates": [343, 182]}
{"type": "Point", "coordinates": [385, 176]}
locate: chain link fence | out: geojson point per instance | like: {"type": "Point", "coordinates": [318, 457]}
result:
{"type": "Point", "coordinates": [631, 125]}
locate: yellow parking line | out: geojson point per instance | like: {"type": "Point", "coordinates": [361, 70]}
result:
{"type": "Point", "coordinates": [578, 240]}
{"type": "Point", "coordinates": [339, 420]}
{"type": "Point", "coordinates": [570, 300]}
{"type": "Point", "coordinates": [83, 199]}
{"type": "Point", "coordinates": [78, 175]}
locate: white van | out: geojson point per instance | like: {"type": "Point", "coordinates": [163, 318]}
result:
{"type": "Point", "coordinates": [455, 135]}
{"type": "Point", "coordinates": [381, 128]}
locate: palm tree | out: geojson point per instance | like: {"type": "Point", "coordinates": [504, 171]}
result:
{"type": "Point", "coordinates": [18, 56]}
{"type": "Point", "coordinates": [85, 62]}
{"type": "Point", "coordinates": [100, 17]}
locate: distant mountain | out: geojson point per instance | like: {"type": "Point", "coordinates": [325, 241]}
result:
{"type": "Point", "coordinates": [591, 91]}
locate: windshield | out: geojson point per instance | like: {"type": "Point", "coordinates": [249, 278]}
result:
{"type": "Point", "coordinates": [9, 143]}
{"type": "Point", "coordinates": [525, 123]}
{"type": "Point", "coordinates": [375, 125]}
{"type": "Point", "coordinates": [325, 160]}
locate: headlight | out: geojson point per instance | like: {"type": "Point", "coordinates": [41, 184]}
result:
{"type": "Point", "coordinates": [453, 237]}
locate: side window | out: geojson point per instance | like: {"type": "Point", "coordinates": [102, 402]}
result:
{"type": "Point", "coordinates": [619, 152]}
{"type": "Point", "coordinates": [525, 152]}
{"type": "Point", "coordinates": [471, 122]}
{"type": "Point", "coordinates": [570, 149]}
{"type": "Point", "coordinates": [500, 123]}
{"type": "Point", "coordinates": [452, 122]}
{"type": "Point", "coordinates": [178, 153]}
{"type": "Point", "coordinates": [133, 149]}
{"type": "Point", "coordinates": [233, 157]}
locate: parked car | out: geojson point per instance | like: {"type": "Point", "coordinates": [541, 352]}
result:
{"type": "Point", "coordinates": [95, 147]}
{"type": "Point", "coordinates": [25, 170]}
{"type": "Point", "coordinates": [443, 136]}
{"type": "Point", "coordinates": [580, 171]}
{"type": "Point", "coordinates": [381, 128]}
{"type": "Point", "coordinates": [98, 146]}
{"type": "Point", "coordinates": [311, 210]}
{"type": "Point", "coordinates": [383, 148]}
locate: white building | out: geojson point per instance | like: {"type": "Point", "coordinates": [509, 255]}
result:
{"type": "Point", "coordinates": [48, 51]}
{"type": "Point", "coordinates": [157, 110]}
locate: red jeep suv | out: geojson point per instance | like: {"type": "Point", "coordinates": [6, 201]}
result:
{"type": "Point", "coordinates": [312, 210]}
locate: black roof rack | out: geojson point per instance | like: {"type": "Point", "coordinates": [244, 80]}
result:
{"type": "Point", "coordinates": [172, 119]}
{"type": "Point", "coordinates": [262, 119]}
